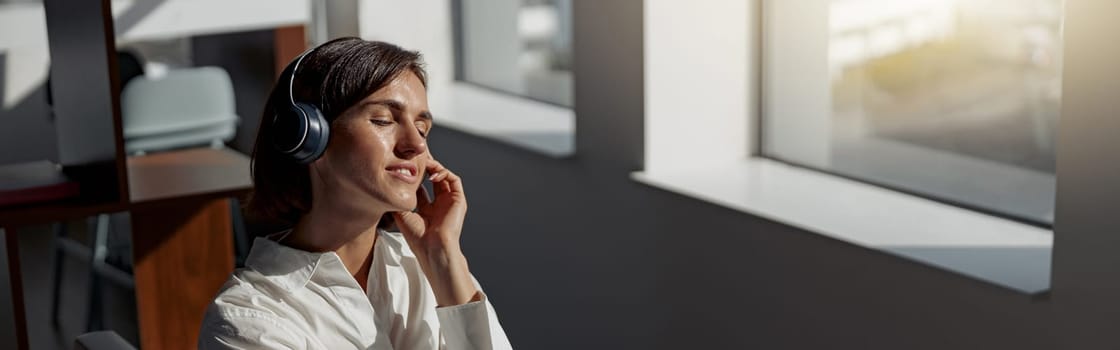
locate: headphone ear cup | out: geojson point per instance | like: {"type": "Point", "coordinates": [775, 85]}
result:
{"type": "Point", "coordinates": [317, 133]}
{"type": "Point", "coordinates": [289, 130]}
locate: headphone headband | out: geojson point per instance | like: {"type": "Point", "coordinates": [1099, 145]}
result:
{"type": "Point", "coordinates": [292, 74]}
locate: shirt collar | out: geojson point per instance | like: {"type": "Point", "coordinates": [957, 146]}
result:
{"type": "Point", "coordinates": [291, 269]}
{"type": "Point", "coordinates": [286, 267]}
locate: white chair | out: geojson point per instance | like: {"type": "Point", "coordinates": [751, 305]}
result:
{"type": "Point", "coordinates": [185, 107]}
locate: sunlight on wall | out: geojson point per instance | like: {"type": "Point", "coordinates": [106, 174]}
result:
{"type": "Point", "coordinates": [23, 44]}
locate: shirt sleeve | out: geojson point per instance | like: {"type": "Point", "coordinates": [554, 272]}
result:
{"type": "Point", "coordinates": [473, 325]}
{"type": "Point", "coordinates": [249, 329]}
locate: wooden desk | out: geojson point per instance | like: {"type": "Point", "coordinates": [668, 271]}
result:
{"type": "Point", "coordinates": [182, 239]}
{"type": "Point", "coordinates": [194, 173]}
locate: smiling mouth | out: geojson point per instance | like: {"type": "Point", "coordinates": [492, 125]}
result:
{"type": "Point", "coordinates": [404, 173]}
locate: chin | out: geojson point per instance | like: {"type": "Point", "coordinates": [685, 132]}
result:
{"type": "Point", "coordinates": [404, 204]}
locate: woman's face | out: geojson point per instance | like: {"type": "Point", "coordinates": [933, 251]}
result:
{"type": "Point", "coordinates": [377, 150]}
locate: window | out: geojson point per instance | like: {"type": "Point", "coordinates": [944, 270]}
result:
{"type": "Point", "coordinates": [751, 80]}
{"type": "Point", "coordinates": [498, 69]}
{"type": "Point", "coordinates": [951, 100]}
{"type": "Point", "coordinates": [522, 47]}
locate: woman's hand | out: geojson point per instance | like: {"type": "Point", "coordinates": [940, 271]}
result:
{"type": "Point", "coordinates": [433, 231]}
{"type": "Point", "coordinates": [437, 223]}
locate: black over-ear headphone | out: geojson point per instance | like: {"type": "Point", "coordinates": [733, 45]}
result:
{"type": "Point", "coordinates": [299, 129]}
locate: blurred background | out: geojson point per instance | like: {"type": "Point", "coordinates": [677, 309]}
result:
{"type": "Point", "coordinates": [795, 174]}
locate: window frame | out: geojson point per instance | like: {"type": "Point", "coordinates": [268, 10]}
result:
{"type": "Point", "coordinates": [458, 45]}
{"type": "Point", "coordinates": [759, 127]}
{"type": "Point", "coordinates": [914, 228]}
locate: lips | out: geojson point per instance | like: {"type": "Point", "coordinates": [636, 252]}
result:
{"type": "Point", "coordinates": [403, 171]}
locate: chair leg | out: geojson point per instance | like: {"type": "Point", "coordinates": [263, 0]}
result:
{"type": "Point", "coordinates": [93, 313]}
{"type": "Point", "coordinates": [56, 291]}
{"type": "Point", "coordinates": [98, 244]}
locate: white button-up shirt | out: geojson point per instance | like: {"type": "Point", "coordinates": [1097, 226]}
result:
{"type": "Point", "coordinates": [287, 298]}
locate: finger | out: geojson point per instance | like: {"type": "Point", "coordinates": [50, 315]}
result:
{"type": "Point", "coordinates": [441, 187]}
{"type": "Point", "coordinates": [437, 177]}
{"type": "Point", "coordinates": [409, 223]}
{"type": "Point", "coordinates": [443, 179]}
{"type": "Point", "coordinates": [451, 182]}
{"type": "Point", "coordinates": [435, 169]}
{"type": "Point", "coordinates": [439, 174]}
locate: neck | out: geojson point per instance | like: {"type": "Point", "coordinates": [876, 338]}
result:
{"type": "Point", "coordinates": [344, 229]}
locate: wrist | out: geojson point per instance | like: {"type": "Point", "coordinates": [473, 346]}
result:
{"type": "Point", "coordinates": [442, 258]}
{"type": "Point", "coordinates": [438, 247]}
{"type": "Point", "coordinates": [451, 245]}
{"type": "Point", "coordinates": [446, 269]}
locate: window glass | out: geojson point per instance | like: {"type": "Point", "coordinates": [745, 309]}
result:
{"type": "Point", "coordinates": [953, 100]}
{"type": "Point", "coordinates": [522, 47]}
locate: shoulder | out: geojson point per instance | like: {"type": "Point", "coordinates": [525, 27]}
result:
{"type": "Point", "coordinates": [242, 315]}
{"type": "Point", "coordinates": [245, 289]}
{"type": "Point", "coordinates": [239, 328]}
{"type": "Point", "coordinates": [244, 299]}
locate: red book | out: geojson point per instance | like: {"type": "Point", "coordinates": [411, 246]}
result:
{"type": "Point", "coordinates": [33, 182]}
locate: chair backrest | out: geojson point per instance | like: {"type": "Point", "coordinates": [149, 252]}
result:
{"type": "Point", "coordinates": [182, 99]}
{"type": "Point", "coordinates": [101, 340]}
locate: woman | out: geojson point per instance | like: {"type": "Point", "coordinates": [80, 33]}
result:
{"type": "Point", "coordinates": [340, 156]}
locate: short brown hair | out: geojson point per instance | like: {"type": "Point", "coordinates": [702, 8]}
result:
{"type": "Point", "coordinates": [334, 76]}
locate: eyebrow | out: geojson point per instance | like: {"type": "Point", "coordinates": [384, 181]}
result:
{"type": "Point", "coordinates": [397, 105]}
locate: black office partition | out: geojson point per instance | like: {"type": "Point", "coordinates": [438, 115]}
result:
{"type": "Point", "coordinates": [86, 106]}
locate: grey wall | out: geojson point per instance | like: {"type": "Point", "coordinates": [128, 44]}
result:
{"type": "Point", "coordinates": [248, 57]}
{"type": "Point", "coordinates": [575, 255]}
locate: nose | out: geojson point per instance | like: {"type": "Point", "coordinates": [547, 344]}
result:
{"type": "Point", "coordinates": [410, 143]}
